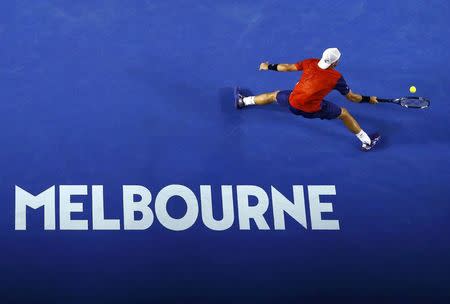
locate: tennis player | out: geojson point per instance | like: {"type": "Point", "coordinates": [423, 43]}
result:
{"type": "Point", "coordinates": [319, 78]}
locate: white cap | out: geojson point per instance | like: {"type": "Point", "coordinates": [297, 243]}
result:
{"type": "Point", "coordinates": [329, 57]}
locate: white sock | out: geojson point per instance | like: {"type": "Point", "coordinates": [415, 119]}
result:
{"type": "Point", "coordinates": [363, 137]}
{"type": "Point", "coordinates": [250, 100]}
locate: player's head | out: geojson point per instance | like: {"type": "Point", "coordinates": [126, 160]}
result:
{"type": "Point", "coordinates": [330, 58]}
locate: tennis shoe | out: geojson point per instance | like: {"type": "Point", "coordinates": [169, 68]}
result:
{"type": "Point", "coordinates": [374, 138]}
{"type": "Point", "coordinates": [238, 99]}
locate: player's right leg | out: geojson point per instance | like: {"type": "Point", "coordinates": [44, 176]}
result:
{"type": "Point", "coordinates": [367, 141]}
{"type": "Point", "coordinates": [349, 121]}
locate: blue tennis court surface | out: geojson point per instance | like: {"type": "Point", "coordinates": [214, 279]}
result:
{"type": "Point", "coordinates": [120, 93]}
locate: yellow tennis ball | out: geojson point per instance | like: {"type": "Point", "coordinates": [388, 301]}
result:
{"type": "Point", "coordinates": [412, 89]}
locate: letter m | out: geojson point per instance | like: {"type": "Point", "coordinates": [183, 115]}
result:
{"type": "Point", "coordinates": [44, 199]}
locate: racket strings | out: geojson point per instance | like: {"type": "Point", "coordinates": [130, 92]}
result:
{"type": "Point", "coordinates": [415, 102]}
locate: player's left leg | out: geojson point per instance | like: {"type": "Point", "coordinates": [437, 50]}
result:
{"type": "Point", "coordinates": [258, 100]}
{"type": "Point", "coordinates": [280, 97]}
{"type": "Point", "coordinates": [263, 99]}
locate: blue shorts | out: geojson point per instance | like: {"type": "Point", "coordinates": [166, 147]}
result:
{"type": "Point", "coordinates": [328, 110]}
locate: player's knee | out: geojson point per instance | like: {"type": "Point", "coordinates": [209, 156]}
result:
{"type": "Point", "coordinates": [274, 95]}
{"type": "Point", "coordinates": [344, 113]}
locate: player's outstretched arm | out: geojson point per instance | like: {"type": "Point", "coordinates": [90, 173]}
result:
{"type": "Point", "coordinates": [355, 97]}
{"type": "Point", "coordinates": [280, 67]}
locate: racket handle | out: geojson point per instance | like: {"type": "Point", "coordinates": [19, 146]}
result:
{"type": "Point", "coordinates": [384, 100]}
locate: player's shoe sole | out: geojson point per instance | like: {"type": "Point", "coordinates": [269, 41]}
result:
{"type": "Point", "coordinates": [375, 138]}
{"type": "Point", "coordinates": [238, 99]}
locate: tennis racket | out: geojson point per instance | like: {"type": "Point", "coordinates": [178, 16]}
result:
{"type": "Point", "coordinates": [410, 102]}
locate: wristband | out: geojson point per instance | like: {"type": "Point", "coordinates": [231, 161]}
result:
{"type": "Point", "coordinates": [273, 67]}
{"type": "Point", "coordinates": [365, 98]}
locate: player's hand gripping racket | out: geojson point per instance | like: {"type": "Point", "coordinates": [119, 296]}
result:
{"type": "Point", "coordinates": [410, 102]}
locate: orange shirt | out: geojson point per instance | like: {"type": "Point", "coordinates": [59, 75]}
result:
{"type": "Point", "coordinates": [313, 86]}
